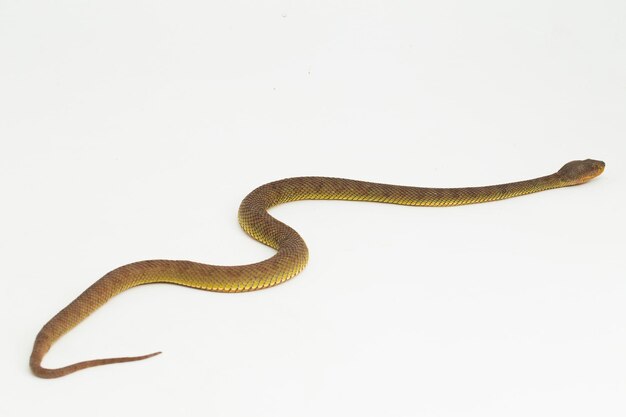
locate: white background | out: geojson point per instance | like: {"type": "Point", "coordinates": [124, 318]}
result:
{"type": "Point", "coordinates": [131, 130]}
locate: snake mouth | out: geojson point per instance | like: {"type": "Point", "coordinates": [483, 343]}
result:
{"type": "Point", "coordinates": [597, 167]}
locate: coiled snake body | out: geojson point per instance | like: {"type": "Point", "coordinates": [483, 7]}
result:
{"type": "Point", "coordinates": [292, 253]}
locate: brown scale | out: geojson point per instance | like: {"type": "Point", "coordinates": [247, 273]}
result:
{"type": "Point", "coordinates": [292, 253]}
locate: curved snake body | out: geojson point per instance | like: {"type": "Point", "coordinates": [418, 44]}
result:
{"type": "Point", "coordinates": [292, 253]}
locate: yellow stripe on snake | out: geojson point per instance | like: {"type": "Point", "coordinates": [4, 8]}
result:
{"type": "Point", "coordinates": [292, 253]}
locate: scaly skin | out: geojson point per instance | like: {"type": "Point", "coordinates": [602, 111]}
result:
{"type": "Point", "coordinates": [292, 253]}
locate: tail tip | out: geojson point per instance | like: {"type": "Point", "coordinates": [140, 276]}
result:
{"type": "Point", "coordinates": [150, 355]}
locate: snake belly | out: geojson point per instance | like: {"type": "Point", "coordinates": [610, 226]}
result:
{"type": "Point", "coordinates": [291, 251]}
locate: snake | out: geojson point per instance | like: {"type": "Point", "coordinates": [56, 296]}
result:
{"type": "Point", "coordinates": [291, 251]}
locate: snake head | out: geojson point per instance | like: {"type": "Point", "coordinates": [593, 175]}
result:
{"type": "Point", "coordinates": [578, 172]}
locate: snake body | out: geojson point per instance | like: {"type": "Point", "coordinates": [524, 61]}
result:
{"type": "Point", "coordinates": [292, 253]}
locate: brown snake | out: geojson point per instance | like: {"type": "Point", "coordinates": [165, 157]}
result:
{"type": "Point", "coordinates": [292, 253]}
